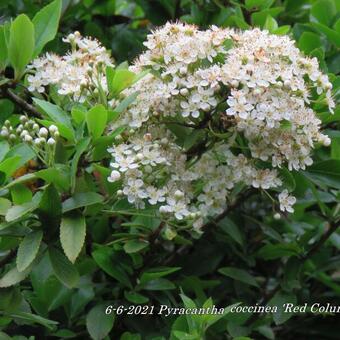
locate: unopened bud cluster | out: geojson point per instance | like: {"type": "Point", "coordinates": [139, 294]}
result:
{"type": "Point", "coordinates": [30, 132]}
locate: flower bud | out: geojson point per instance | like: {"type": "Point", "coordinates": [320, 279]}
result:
{"type": "Point", "coordinates": [178, 194]}
{"type": "Point", "coordinates": [12, 137]}
{"type": "Point", "coordinates": [23, 119]}
{"type": "Point", "coordinates": [23, 133]}
{"type": "Point", "coordinates": [28, 139]}
{"type": "Point", "coordinates": [43, 132]}
{"type": "Point", "coordinates": [53, 129]}
{"type": "Point", "coordinates": [4, 133]}
{"type": "Point", "coordinates": [277, 216]}
{"type": "Point", "coordinates": [51, 141]}
{"type": "Point", "coordinates": [120, 193]}
{"type": "Point", "coordinates": [184, 91]}
{"type": "Point", "coordinates": [163, 209]}
{"type": "Point", "coordinates": [115, 176]}
{"type": "Point", "coordinates": [183, 70]}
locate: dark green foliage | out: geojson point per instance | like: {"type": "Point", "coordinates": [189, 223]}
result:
{"type": "Point", "coordinates": [67, 255]}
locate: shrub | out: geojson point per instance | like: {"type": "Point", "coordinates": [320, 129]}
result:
{"type": "Point", "coordinates": [190, 194]}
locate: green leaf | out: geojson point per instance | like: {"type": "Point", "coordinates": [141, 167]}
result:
{"type": "Point", "coordinates": [135, 297]}
{"type": "Point", "coordinates": [98, 323]}
{"type": "Point", "coordinates": [309, 41]}
{"type": "Point", "coordinates": [82, 199]}
{"type": "Point", "coordinates": [33, 318]}
{"type": "Point", "coordinates": [54, 112]}
{"type": "Point", "coordinates": [3, 47]}
{"type": "Point", "coordinates": [28, 249]}
{"type": "Point", "coordinates": [59, 176]}
{"type": "Point", "coordinates": [46, 23]}
{"type": "Point", "coordinates": [5, 204]}
{"type": "Point", "coordinates": [63, 269]}
{"type": "Point", "coordinates": [78, 114]}
{"type": "Point", "coordinates": [332, 35]}
{"type": "Point", "coordinates": [96, 120]}
{"type": "Point", "coordinates": [21, 194]}
{"type": "Point", "coordinates": [23, 151]}
{"type": "Point", "coordinates": [274, 251]}
{"type": "Point", "coordinates": [270, 24]}
{"type": "Point", "coordinates": [72, 235]}
{"type": "Point", "coordinates": [279, 299]}
{"type": "Point", "coordinates": [327, 172]}
{"type": "Point", "coordinates": [18, 211]}
{"type": "Point", "coordinates": [134, 246]}
{"type": "Point", "coordinates": [108, 261]}
{"type": "Point", "coordinates": [323, 11]}
{"type": "Point", "coordinates": [122, 78]}
{"type": "Point", "coordinates": [155, 273]}
{"type": "Point", "coordinates": [228, 226]}
{"type": "Point", "coordinates": [13, 276]}
{"type": "Point", "coordinates": [50, 204]}
{"type": "Point", "coordinates": [158, 284]}
{"type": "Point", "coordinates": [9, 165]}
{"type": "Point", "coordinates": [4, 147]}
{"type": "Point", "coordinates": [239, 274]}
{"type": "Point", "coordinates": [21, 44]}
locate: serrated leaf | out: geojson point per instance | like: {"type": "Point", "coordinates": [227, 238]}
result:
{"type": "Point", "coordinates": [18, 211]}
{"type": "Point", "coordinates": [28, 249]}
{"type": "Point", "coordinates": [82, 199]}
{"type": "Point", "coordinates": [72, 235]}
{"type": "Point", "coordinates": [46, 23]}
{"type": "Point", "coordinates": [13, 276]}
{"type": "Point", "coordinates": [63, 269]}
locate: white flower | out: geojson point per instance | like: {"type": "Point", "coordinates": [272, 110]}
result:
{"type": "Point", "coordinates": [286, 201]}
{"type": "Point", "coordinates": [248, 84]}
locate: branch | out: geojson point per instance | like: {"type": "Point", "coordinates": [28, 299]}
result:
{"type": "Point", "coordinates": [315, 248]}
{"type": "Point", "coordinates": [312, 251]}
{"type": "Point", "coordinates": [7, 93]}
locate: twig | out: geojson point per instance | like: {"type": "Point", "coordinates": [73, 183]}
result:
{"type": "Point", "coordinates": [315, 248]}
{"type": "Point", "coordinates": [7, 93]}
{"type": "Point", "coordinates": [312, 251]}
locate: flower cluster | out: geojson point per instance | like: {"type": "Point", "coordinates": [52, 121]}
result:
{"type": "Point", "coordinates": [79, 73]}
{"type": "Point", "coordinates": [248, 95]}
